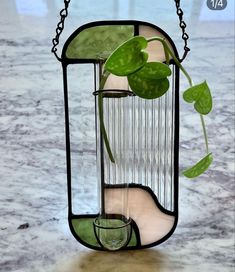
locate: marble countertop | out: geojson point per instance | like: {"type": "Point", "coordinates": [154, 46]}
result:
{"type": "Point", "coordinates": [32, 143]}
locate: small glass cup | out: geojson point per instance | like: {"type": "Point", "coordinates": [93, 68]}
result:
{"type": "Point", "coordinates": [112, 232]}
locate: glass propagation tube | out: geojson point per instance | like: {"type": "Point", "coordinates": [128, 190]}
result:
{"type": "Point", "coordinates": [113, 226]}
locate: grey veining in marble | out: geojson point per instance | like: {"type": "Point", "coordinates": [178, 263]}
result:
{"type": "Point", "coordinates": [32, 144]}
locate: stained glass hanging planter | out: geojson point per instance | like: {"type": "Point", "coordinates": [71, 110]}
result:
{"type": "Point", "coordinates": [135, 141]}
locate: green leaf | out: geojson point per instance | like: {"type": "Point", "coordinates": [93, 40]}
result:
{"type": "Point", "coordinates": [201, 95]}
{"type": "Point", "coordinates": [154, 70]}
{"type": "Point", "coordinates": [127, 58]}
{"type": "Point", "coordinates": [150, 81]}
{"type": "Point", "coordinates": [199, 167]}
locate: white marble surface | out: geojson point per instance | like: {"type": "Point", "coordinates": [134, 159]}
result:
{"type": "Point", "coordinates": [32, 149]}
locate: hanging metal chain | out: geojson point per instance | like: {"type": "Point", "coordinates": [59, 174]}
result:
{"type": "Point", "coordinates": [64, 14]}
{"type": "Point", "coordinates": [182, 25]}
{"type": "Point", "coordinates": [60, 28]}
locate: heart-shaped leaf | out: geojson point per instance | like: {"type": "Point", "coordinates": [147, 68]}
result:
{"type": "Point", "coordinates": [200, 167]}
{"type": "Point", "coordinates": [154, 70]}
{"type": "Point", "coordinates": [201, 95]}
{"type": "Point", "coordinates": [150, 81]}
{"type": "Point", "coordinates": [127, 58]}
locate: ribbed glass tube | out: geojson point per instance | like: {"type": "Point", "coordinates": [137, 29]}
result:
{"type": "Point", "coordinates": [113, 225]}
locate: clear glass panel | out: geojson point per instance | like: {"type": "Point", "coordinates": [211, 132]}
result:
{"type": "Point", "coordinates": [83, 139]}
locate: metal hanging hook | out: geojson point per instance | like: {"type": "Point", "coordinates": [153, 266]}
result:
{"type": "Point", "coordinates": [182, 25]}
{"type": "Point", "coordinates": [60, 28]}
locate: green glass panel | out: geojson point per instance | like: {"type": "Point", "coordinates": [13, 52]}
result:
{"type": "Point", "coordinates": [98, 42]}
{"type": "Point", "coordinates": [85, 231]}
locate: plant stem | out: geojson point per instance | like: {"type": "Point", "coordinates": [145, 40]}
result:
{"type": "Point", "coordinates": [104, 78]}
{"type": "Point", "coordinates": [204, 132]}
{"type": "Point", "coordinates": [102, 127]}
{"type": "Point", "coordinates": [166, 54]}
{"type": "Point", "coordinates": [101, 115]}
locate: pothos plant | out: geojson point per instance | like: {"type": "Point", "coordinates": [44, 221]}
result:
{"type": "Point", "coordinates": [149, 80]}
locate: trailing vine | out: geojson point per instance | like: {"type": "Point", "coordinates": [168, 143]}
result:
{"type": "Point", "coordinates": [149, 80]}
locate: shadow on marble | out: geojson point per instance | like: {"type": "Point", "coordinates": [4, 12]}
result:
{"type": "Point", "coordinates": [138, 261]}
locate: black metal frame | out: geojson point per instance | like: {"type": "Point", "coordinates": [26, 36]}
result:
{"type": "Point", "coordinates": [67, 61]}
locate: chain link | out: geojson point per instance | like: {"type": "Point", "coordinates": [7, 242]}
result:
{"type": "Point", "coordinates": [60, 28]}
{"type": "Point", "coordinates": [64, 14]}
{"type": "Point", "coordinates": [182, 25]}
